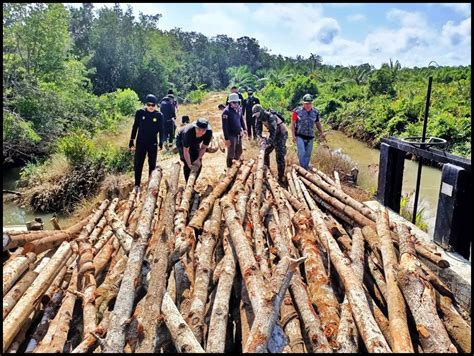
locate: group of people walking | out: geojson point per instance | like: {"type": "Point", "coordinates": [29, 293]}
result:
{"type": "Point", "coordinates": [240, 117]}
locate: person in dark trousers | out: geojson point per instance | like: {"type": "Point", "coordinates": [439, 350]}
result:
{"type": "Point", "coordinates": [247, 113]}
{"type": "Point", "coordinates": [168, 110]}
{"type": "Point", "coordinates": [148, 123]}
{"type": "Point", "coordinates": [175, 100]}
{"type": "Point", "coordinates": [233, 125]}
{"type": "Point", "coordinates": [234, 90]}
{"type": "Point", "coordinates": [192, 142]}
{"type": "Point", "coordinates": [278, 134]}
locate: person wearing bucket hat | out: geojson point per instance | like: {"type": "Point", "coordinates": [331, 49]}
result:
{"type": "Point", "coordinates": [278, 134]}
{"type": "Point", "coordinates": [192, 142]}
{"type": "Point", "coordinates": [247, 112]}
{"type": "Point", "coordinates": [234, 90]}
{"type": "Point", "coordinates": [148, 123]}
{"type": "Point", "coordinates": [304, 120]}
{"type": "Point", "coordinates": [233, 126]}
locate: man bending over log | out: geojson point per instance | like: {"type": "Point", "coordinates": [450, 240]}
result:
{"type": "Point", "coordinates": [192, 142]}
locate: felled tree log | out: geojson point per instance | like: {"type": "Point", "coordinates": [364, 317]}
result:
{"type": "Point", "coordinates": [250, 270]}
{"type": "Point", "coordinates": [321, 293]}
{"type": "Point", "coordinates": [108, 290]}
{"type": "Point", "coordinates": [87, 282]}
{"type": "Point", "coordinates": [12, 240]}
{"type": "Point", "coordinates": [267, 315]}
{"type": "Point", "coordinates": [90, 340]}
{"type": "Point", "coordinates": [348, 336]}
{"type": "Point", "coordinates": [21, 336]}
{"type": "Point", "coordinates": [337, 193]}
{"type": "Point", "coordinates": [115, 340]}
{"type": "Point", "coordinates": [55, 223]}
{"type": "Point", "coordinates": [324, 176]}
{"type": "Point", "coordinates": [15, 293]}
{"type": "Point", "coordinates": [48, 315]}
{"type": "Point", "coordinates": [259, 173]}
{"type": "Point", "coordinates": [129, 207]}
{"type": "Point", "coordinates": [183, 337]}
{"type": "Point", "coordinates": [220, 311]}
{"type": "Point", "coordinates": [368, 328]}
{"type": "Point", "coordinates": [313, 330]}
{"type": "Point", "coordinates": [195, 317]}
{"type": "Point", "coordinates": [397, 315]}
{"type": "Point", "coordinates": [15, 269]}
{"type": "Point", "coordinates": [258, 236]}
{"type": "Point", "coordinates": [458, 329]}
{"type": "Point", "coordinates": [206, 205]}
{"type": "Point", "coordinates": [118, 228]}
{"type": "Point", "coordinates": [56, 336]}
{"type": "Point", "coordinates": [291, 325]}
{"type": "Point", "coordinates": [347, 210]}
{"type": "Point", "coordinates": [420, 297]}
{"type": "Point", "coordinates": [299, 192]}
{"type": "Point", "coordinates": [158, 276]}
{"type": "Point", "coordinates": [15, 320]}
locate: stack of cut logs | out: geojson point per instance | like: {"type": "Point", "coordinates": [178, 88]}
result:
{"type": "Point", "coordinates": [246, 266]}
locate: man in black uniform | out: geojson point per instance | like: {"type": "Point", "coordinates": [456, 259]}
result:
{"type": "Point", "coordinates": [247, 113]}
{"type": "Point", "coordinates": [192, 142]}
{"type": "Point", "coordinates": [168, 110]}
{"type": "Point", "coordinates": [148, 122]}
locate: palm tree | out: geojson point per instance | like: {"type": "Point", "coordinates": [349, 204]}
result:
{"type": "Point", "coordinates": [241, 77]}
{"type": "Point", "coordinates": [358, 74]}
{"type": "Point", "coordinates": [394, 68]}
{"type": "Point", "coordinates": [278, 76]}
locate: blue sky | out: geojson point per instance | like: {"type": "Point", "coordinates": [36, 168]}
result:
{"type": "Point", "coordinates": [355, 33]}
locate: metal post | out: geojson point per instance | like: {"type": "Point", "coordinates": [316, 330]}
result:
{"type": "Point", "coordinates": [420, 162]}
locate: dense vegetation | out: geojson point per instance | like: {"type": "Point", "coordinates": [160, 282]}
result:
{"type": "Point", "coordinates": [81, 71]}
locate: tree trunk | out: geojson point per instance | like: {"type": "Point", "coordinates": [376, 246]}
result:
{"type": "Point", "coordinates": [258, 236]}
{"type": "Point", "coordinates": [268, 314]}
{"type": "Point", "coordinates": [291, 324]}
{"type": "Point", "coordinates": [15, 270]}
{"type": "Point", "coordinates": [320, 290]}
{"type": "Point", "coordinates": [118, 228]}
{"type": "Point", "coordinates": [368, 328]}
{"type": "Point", "coordinates": [347, 210]}
{"type": "Point", "coordinates": [55, 223]}
{"type": "Point", "coordinates": [90, 340]}
{"type": "Point", "coordinates": [195, 317]}
{"type": "Point", "coordinates": [397, 315]}
{"type": "Point", "coordinates": [158, 276]}
{"type": "Point", "coordinates": [337, 180]}
{"type": "Point", "coordinates": [129, 207]}
{"type": "Point", "coordinates": [259, 173]}
{"type": "Point", "coordinates": [335, 192]}
{"type": "Point", "coordinates": [348, 335]}
{"type": "Point", "coordinates": [206, 205]}
{"type": "Point", "coordinates": [419, 295]}
{"type": "Point", "coordinates": [12, 297]}
{"type": "Point", "coordinates": [17, 317]}
{"type": "Point", "coordinates": [313, 330]}
{"type": "Point", "coordinates": [458, 329]}
{"type": "Point", "coordinates": [56, 336]}
{"type": "Point", "coordinates": [220, 311]}
{"type": "Point", "coordinates": [115, 340]}
{"type": "Point", "coordinates": [183, 337]}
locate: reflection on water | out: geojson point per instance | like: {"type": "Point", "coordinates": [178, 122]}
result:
{"type": "Point", "coordinates": [368, 159]}
{"type": "Point", "coordinates": [12, 213]}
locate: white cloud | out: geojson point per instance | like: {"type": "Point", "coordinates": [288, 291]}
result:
{"type": "Point", "coordinates": [407, 18]}
{"type": "Point", "coordinates": [216, 21]}
{"type": "Point", "coordinates": [454, 35]}
{"type": "Point", "coordinates": [357, 18]}
{"type": "Point", "coordinates": [463, 8]}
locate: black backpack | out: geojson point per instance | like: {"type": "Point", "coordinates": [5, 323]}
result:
{"type": "Point", "coordinates": [282, 118]}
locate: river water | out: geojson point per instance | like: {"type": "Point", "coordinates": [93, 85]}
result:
{"type": "Point", "coordinates": [366, 159]}
{"type": "Point", "coordinates": [364, 156]}
{"type": "Point", "coordinates": [15, 215]}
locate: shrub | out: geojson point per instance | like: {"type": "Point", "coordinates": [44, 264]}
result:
{"type": "Point", "coordinates": [115, 159]}
{"type": "Point", "coordinates": [77, 147]}
{"type": "Point", "coordinates": [197, 95]}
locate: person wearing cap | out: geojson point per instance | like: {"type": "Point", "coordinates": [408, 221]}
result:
{"type": "Point", "coordinates": [233, 125]}
{"type": "Point", "coordinates": [148, 123]}
{"type": "Point", "coordinates": [168, 110]}
{"type": "Point", "coordinates": [192, 142]}
{"type": "Point", "coordinates": [278, 134]}
{"type": "Point", "coordinates": [234, 90]}
{"type": "Point", "coordinates": [175, 100]}
{"type": "Point", "coordinates": [304, 120]}
{"type": "Point", "coordinates": [247, 112]}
